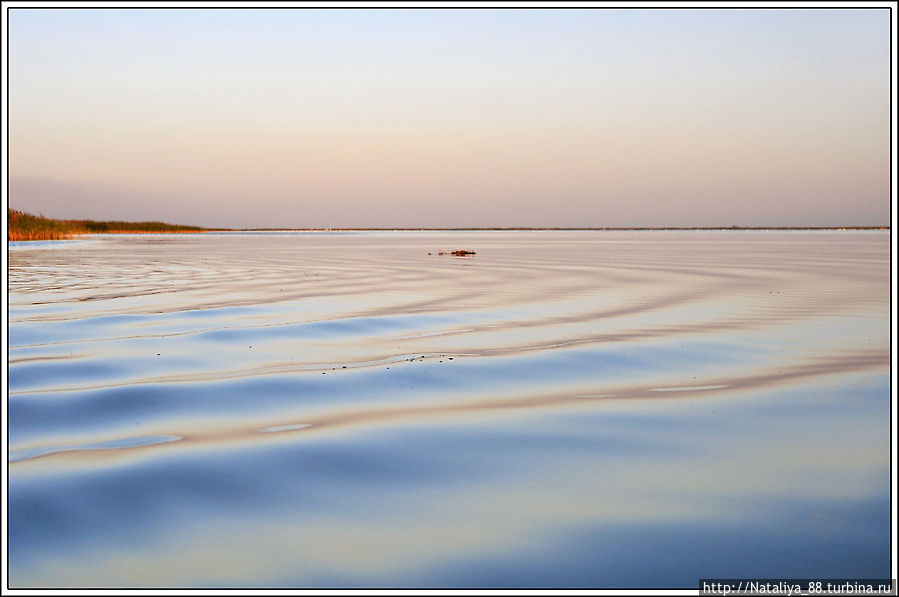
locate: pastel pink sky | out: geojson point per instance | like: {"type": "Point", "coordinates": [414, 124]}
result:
{"type": "Point", "coordinates": [448, 118]}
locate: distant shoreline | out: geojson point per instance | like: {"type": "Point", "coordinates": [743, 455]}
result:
{"type": "Point", "coordinates": [26, 227]}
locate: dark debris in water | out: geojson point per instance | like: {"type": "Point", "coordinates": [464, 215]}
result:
{"type": "Point", "coordinates": [411, 360]}
{"type": "Point", "coordinates": [457, 253]}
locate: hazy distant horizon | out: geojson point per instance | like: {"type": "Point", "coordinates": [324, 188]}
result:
{"type": "Point", "coordinates": [108, 207]}
{"type": "Point", "coordinates": [451, 118]}
{"type": "Point", "coordinates": [461, 228]}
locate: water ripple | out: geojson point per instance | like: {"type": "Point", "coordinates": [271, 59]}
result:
{"type": "Point", "coordinates": [355, 410]}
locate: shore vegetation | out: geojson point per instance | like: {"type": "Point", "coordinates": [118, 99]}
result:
{"type": "Point", "coordinates": [25, 226]}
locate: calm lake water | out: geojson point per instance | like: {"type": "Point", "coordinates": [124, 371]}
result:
{"type": "Point", "coordinates": [562, 409]}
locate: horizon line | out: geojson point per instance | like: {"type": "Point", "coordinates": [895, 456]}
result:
{"type": "Point", "coordinates": [526, 228]}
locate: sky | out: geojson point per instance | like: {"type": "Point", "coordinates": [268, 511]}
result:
{"type": "Point", "coordinates": [314, 118]}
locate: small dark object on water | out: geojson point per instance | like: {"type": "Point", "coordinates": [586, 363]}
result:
{"type": "Point", "coordinates": [458, 253]}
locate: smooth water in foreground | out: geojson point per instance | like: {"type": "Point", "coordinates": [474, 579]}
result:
{"type": "Point", "coordinates": [562, 409]}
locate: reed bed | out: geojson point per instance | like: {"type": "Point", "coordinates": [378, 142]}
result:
{"type": "Point", "coordinates": [25, 226]}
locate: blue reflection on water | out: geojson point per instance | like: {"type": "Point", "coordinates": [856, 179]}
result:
{"type": "Point", "coordinates": [206, 440]}
{"type": "Point", "coordinates": [397, 477]}
{"type": "Point", "coordinates": [775, 544]}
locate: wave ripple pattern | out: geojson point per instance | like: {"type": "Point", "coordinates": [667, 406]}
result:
{"type": "Point", "coordinates": [562, 409]}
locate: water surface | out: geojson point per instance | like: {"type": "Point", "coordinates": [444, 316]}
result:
{"type": "Point", "coordinates": [562, 409]}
